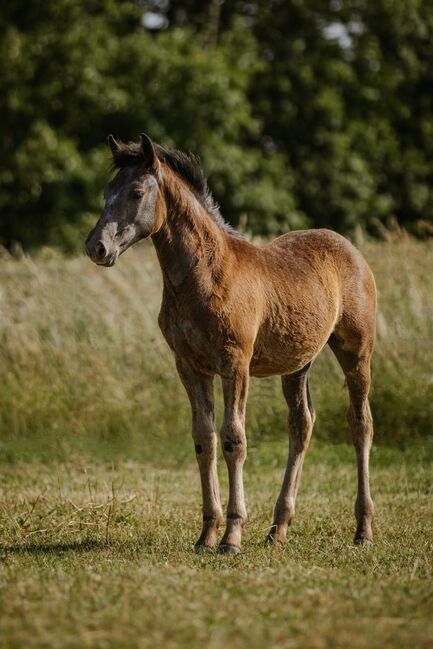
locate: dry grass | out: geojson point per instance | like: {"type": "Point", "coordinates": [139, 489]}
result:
{"type": "Point", "coordinates": [82, 359]}
{"type": "Point", "coordinates": [97, 555]}
{"type": "Point", "coordinates": [99, 494]}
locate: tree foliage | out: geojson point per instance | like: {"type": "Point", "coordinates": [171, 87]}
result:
{"type": "Point", "coordinates": [305, 113]}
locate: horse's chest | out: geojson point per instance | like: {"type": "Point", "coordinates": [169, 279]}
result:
{"type": "Point", "coordinates": [192, 342]}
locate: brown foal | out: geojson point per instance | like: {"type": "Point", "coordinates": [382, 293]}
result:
{"type": "Point", "coordinates": [235, 309]}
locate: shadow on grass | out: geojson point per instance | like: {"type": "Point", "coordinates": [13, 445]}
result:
{"type": "Point", "coordinates": [128, 548]}
{"type": "Point", "coordinates": [53, 548]}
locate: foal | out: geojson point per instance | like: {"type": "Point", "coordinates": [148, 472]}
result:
{"type": "Point", "coordinates": [238, 310]}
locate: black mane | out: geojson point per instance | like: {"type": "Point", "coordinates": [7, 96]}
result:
{"type": "Point", "coordinates": [185, 165]}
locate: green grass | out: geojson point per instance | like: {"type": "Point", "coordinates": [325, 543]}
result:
{"type": "Point", "coordinates": [99, 493]}
{"type": "Point", "coordinates": [101, 555]}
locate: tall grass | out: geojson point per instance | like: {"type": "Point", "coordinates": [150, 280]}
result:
{"type": "Point", "coordinates": [83, 366]}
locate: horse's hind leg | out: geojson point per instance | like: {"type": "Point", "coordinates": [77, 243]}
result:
{"type": "Point", "coordinates": [300, 423]}
{"type": "Point", "coordinates": [356, 367]}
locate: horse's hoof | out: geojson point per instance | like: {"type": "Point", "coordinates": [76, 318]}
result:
{"type": "Point", "coordinates": [363, 541]}
{"type": "Point", "coordinates": [201, 547]}
{"type": "Point", "coordinates": [225, 548]}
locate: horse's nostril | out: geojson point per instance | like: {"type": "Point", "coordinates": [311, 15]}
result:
{"type": "Point", "coordinates": [100, 250]}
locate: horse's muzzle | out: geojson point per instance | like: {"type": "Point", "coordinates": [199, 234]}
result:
{"type": "Point", "coordinates": [99, 254]}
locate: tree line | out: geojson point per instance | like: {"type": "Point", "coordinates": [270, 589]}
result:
{"type": "Point", "coordinates": [305, 113]}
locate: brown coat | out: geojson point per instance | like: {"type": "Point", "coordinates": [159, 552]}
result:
{"type": "Point", "coordinates": [234, 309]}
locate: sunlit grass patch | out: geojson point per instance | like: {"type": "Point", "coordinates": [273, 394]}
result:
{"type": "Point", "coordinates": [101, 555]}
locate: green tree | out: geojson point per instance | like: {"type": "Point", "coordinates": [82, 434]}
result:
{"type": "Point", "coordinates": [392, 109]}
{"type": "Point", "coordinates": [304, 113]}
{"type": "Point", "coordinates": [75, 71]}
{"type": "Point", "coordinates": [56, 94]}
{"type": "Point", "coordinates": [343, 93]}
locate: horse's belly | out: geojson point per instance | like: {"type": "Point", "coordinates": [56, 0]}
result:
{"type": "Point", "coordinates": [270, 366]}
{"type": "Point", "coordinates": [281, 359]}
{"type": "Point", "coordinates": [284, 350]}
{"type": "Point", "coordinates": [284, 343]}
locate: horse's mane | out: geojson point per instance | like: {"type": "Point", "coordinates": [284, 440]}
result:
{"type": "Point", "coordinates": [185, 165]}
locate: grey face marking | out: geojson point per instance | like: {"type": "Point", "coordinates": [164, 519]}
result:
{"type": "Point", "coordinates": [128, 215]}
{"type": "Point", "coordinates": [110, 200]}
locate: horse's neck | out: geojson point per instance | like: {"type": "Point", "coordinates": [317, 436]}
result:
{"type": "Point", "coordinates": [189, 244]}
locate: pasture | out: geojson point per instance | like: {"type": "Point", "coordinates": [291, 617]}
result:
{"type": "Point", "coordinates": [99, 490]}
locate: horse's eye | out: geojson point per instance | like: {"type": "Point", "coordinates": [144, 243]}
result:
{"type": "Point", "coordinates": [137, 193]}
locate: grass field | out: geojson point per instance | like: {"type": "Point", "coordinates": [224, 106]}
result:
{"type": "Point", "coordinates": [101, 555]}
{"type": "Point", "coordinates": [99, 493]}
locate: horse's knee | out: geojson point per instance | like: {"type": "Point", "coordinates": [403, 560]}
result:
{"type": "Point", "coordinates": [233, 441]}
{"type": "Point", "coordinates": [204, 436]}
{"type": "Point", "coordinates": [204, 447]}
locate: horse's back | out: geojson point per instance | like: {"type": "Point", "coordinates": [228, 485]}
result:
{"type": "Point", "coordinates": [317, 245]}
{"type": "Point", "coordinates": [329, 253]}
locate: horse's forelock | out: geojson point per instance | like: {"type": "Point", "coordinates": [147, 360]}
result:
{"type": "Point", "coordinates": [185, 165]}
{"type": "Point", "coordinates": [127, 155]}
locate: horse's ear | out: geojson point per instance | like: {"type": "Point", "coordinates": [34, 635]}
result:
{"type": "Point", "coordinates": [114, 146]}
{"type": "Point", "coordinates": [148, 150]}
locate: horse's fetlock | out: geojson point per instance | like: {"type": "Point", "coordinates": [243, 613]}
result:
{"type": "Point", "coordinates": [364, 509]}
{"type": "Point", "coordinates": [214, 519]}
{"type": "Point", "coordinates": [237, 518]}
{"type": "Point", "coordinates": [285, 510]}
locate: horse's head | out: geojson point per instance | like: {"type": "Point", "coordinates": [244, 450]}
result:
{"type": "Point", "coordinates": [131, 202]}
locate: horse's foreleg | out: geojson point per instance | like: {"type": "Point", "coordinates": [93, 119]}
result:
{"type": "Point", "coordinates": [234, 445]}
{"type": "Point", "coordinates": [300, 423]}
{"type": "Point", "coordinates": [200, 392]}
